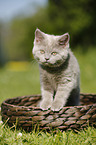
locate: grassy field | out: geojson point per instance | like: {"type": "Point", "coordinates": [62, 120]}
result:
{"type": "Point", "coordinates": [87, 62]}
{"type": "Point", "coordinates": [19, 82]}
{"type": "Point", "coordinates": [16, 137]}
{"type": "Point", "coordinates": [19, 79]}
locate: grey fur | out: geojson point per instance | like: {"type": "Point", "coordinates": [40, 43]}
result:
{"type": "Point", "coordinates": [59, 71]}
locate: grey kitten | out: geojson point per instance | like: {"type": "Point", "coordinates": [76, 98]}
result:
{"type": "Point", "coordinates": [59, 71]}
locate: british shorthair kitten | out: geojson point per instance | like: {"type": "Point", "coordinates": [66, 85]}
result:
{"type": "Point", "coordinates": [59, 71]}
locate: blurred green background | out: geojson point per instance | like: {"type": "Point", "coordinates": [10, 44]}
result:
{"type": "Point", "coordinates": [19, 73]}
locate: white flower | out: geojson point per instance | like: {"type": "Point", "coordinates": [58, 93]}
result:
{"type": "Point", "coordinates": [1, 122]}
{"type": "Point", "coordinates": [19, 134]}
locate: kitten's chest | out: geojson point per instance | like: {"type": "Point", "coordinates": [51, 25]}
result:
{"type": "Point", "coordinates": [53, 80]}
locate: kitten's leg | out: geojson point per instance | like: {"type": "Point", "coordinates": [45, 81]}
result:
{"type": "Point", "coordinates": [62, 94]}
{"type": "Point", "coordinates": [47, 98]}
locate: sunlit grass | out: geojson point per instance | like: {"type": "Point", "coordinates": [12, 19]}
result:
{"type": "Point", "coordinates": [18, 65]}
{"type": "Point", "coordinates": [19, 83]}
{"type": "Point", "coordinates": [87, 62]}
{"type": "Point", "coordinates": [18, 137]}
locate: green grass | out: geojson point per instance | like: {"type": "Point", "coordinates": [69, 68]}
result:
{"type": "Point", "coordinates": [19, 82]}
{"type": "Point", "coordinates": [87, 62]}
{"type": "Point", "coordinates": [16, 137]}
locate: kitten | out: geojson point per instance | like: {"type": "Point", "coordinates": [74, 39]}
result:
{"type": "Point", "coordinates": [59, 71]}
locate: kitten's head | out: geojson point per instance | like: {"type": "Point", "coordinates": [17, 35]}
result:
{"type": "Point", "coordinates": [50, 50]}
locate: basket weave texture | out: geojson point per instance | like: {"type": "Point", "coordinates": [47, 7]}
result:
{"type": "Point", "coordinates": [23, 112]}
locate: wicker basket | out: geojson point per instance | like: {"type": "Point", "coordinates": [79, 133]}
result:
{"type": "Point", "coordinates": [23, 112]}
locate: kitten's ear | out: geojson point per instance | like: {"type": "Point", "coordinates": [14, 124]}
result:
{"type": "Point", "coordinates": [39, 36]}
{"type": "Point", "coordinates": [64, 39]}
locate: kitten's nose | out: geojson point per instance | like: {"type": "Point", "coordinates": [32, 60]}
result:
{"type": "Point", "coordinates": [47, 58]}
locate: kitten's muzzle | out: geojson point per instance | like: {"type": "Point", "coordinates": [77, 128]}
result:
{"type": "Point", "coordinates": [46, 58]}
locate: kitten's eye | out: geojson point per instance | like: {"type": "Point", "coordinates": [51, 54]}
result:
{"type": "Point", "coordinates": [42, 51]}
{"type": "Point", "coordinates": [54, 53]}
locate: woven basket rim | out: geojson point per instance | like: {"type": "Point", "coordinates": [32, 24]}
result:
{"type": "Point", "coordinates": [38, 108]}
{"type": "Point", "coordinates": [67, 118]}
{"type": "Point", "coordinates": [22, 106]}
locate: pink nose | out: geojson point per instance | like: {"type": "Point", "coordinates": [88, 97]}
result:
{"type": "Point", "coordinates": [47, 59]}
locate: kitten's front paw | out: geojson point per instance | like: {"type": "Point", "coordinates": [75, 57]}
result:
{"type": "Point", "coordinates": [56, 105]}
{"type": "Point", "coordinates": [44, 105]}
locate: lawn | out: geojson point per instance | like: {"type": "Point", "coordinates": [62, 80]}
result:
{"type": "Point", "coordinates": [16, 137]}
{"type": "Point", "coordinates": [19, 79]}
{"type": "Point", "coordinates": [19, 82]}
{"type": "Point", "coordinates": [87, 62]}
